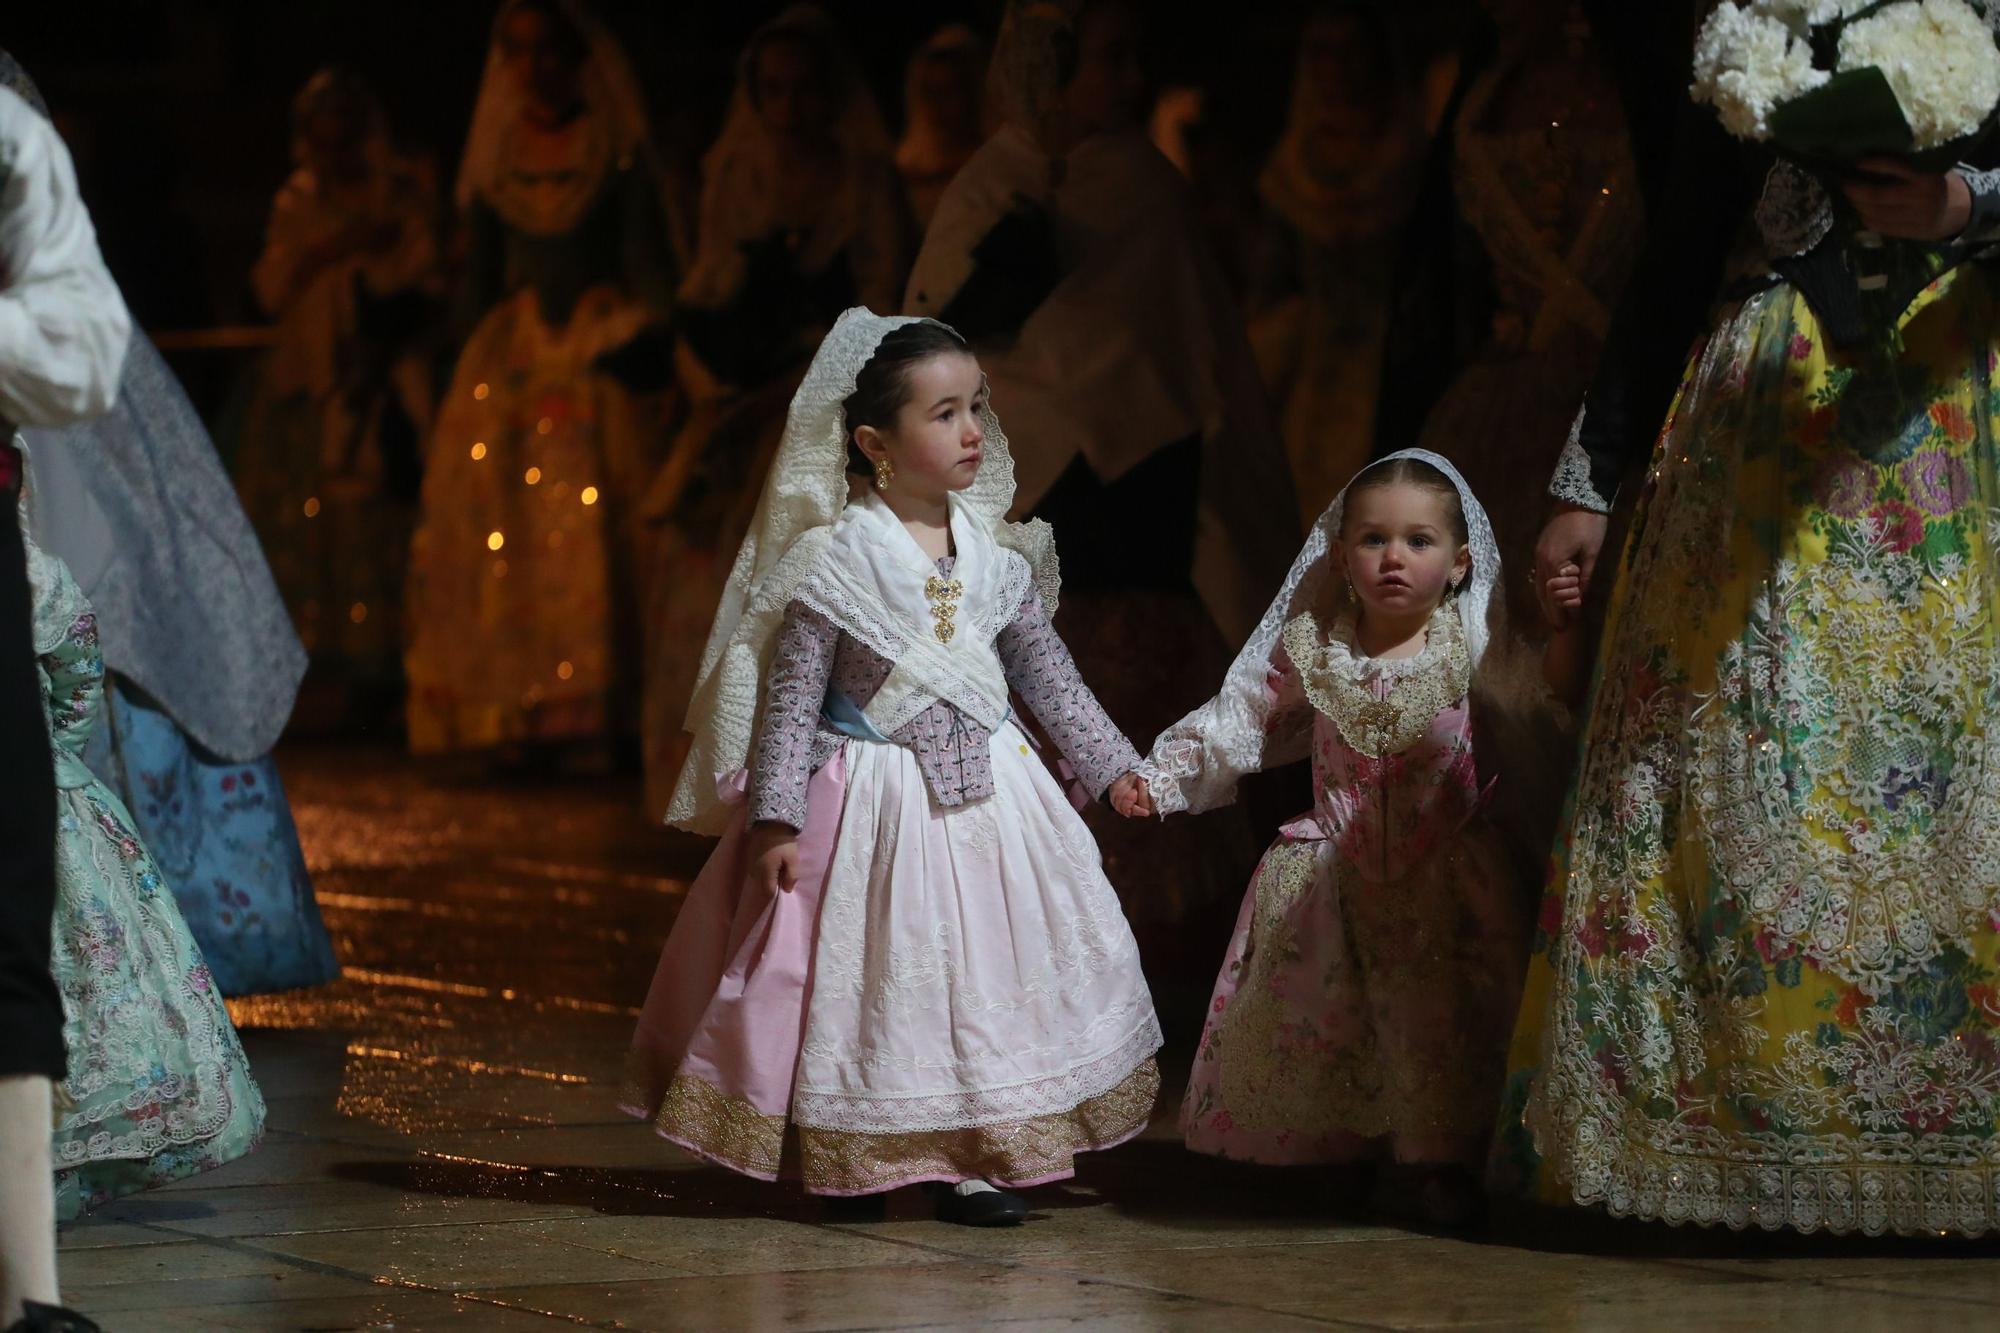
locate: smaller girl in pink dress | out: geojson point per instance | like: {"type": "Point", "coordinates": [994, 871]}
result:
{"type": "Point", "coordinates": [1365, 1001]}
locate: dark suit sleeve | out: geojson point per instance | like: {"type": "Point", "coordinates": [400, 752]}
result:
{"type": "Point", "coordinates": [1698, 190]}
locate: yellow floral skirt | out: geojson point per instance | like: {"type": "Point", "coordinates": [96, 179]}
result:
{"type": "Point", "coordinates": [1766, 980]}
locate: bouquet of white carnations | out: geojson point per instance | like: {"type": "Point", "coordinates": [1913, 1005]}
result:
{"type": "Point", "coordinates": [1829, 82]}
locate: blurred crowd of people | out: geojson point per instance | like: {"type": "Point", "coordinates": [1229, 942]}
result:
{"type": "Point", "coordinates": [506, 441]}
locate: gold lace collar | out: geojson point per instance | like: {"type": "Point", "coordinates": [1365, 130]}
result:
{"type": "Point", "coordinates": [1339, 682]}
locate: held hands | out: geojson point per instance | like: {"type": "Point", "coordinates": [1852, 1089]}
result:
{"type": "Point", "coordinates": [1909, 205]}
{"type": "Point", "coordinates": [1565, 592]}
{"type": "Point", "coordinates": [774, 857]}
{"type": "Point", "coordinates": [1564, 660]}
{"type": "Point", "coordinates": [1571, 542]}
{"type": "Point", "coordinates": [1131, 797]}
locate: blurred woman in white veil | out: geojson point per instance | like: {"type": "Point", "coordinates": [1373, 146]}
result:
{"type": "Point", "coordinates": [326, 455]}
{"type": "Point", "coordinates": [521, 604]}
{"type": "Point", "coordinates": [801, 217]}
{"type": "Point", "coordinates": [942, 116]}
{"type": "Point", "coordinates": [1335, 189]}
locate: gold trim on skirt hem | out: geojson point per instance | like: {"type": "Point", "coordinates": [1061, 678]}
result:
{"type": "Point", "coordinates": [838, 1162]}
{"type": "Point", "coordinates": [728, 1130]}
{"type": "Point", "coordinates": [734, 1134]}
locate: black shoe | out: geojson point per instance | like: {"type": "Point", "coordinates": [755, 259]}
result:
{"type": "Point", "coordinates": [840, 1208]}
{"type": "Point", "coordinates": [52, 1319]}
{"type": "Point", "coordinates": [988, 1208]}
{"type": "Point", "coordinates": [1450, 1199]}
{"type": "Point", "coordinates": [1350, 1184]}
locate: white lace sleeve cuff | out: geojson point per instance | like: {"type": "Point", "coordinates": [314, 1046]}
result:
{"type": "Point", "coordinates": [1572, 483]}
{"type": "Point", "coordinates": [1164, 787]}
{"type": "Point", "coordinates": [1984, 225]}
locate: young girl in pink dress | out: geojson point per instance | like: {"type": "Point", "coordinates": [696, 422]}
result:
{"type": "Point", "coordinates": [1365, 1001]}
{"type": "Point", "coordinates": [903, 963]}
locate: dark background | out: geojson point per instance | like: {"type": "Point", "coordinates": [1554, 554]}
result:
{"type": "Point", "coordinates": [177, 111]}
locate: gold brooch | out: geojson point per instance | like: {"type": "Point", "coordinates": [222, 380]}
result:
{"type": "Point", "coordinates": [943, 595]}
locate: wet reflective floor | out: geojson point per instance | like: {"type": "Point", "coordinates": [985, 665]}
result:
{"type": "Point", "coordinates": [443, 1152]}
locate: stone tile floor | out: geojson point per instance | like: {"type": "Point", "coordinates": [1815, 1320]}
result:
{"type": "Point", "coordinates": [443, 1154]}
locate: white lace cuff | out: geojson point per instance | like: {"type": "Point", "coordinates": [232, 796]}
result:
{"type": "Point", "coordinates": [1983, 227]}
{"type": "Point", "coordinates": [1164, 787]}
{"type": "Point", "coordinates": [1572, 483]}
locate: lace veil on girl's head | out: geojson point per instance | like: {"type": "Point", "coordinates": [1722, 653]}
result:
{"type": "Point", "coordinates": [1230, 729]}
{"type": "Point", "coordinates": [14, 77]}
{"type": "Point", "coordinates": [807, 489]}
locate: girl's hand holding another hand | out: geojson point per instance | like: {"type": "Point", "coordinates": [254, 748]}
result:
{"type": "Point", "coordinates": [1565, 589]}
{"type": "Point", "coordinates": [1131, 797]}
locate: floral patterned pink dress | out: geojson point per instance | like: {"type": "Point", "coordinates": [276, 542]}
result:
{"type": "Point", "coordinates": [1364, 1003]}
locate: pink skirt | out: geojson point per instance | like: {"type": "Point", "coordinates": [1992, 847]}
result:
{"type": "Point", "coordinates": [1357, 1018]}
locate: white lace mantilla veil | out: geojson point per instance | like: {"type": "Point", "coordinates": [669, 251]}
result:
{"type": "Point", "coordinates": [1196, 763]}
{"type": "Point", "coordinates": [807, 489]}
{"type": "Point", "coordinates": [611, 95]}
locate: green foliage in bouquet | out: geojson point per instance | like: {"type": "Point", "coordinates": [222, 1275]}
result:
{"type": "Point", "coordinates": [1851, 116]}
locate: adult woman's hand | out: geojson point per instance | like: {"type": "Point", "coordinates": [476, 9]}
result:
{"type": "Point", "coordinates": [1895, 200]}
{"type": "Point", "coordinates": [1573, 537]}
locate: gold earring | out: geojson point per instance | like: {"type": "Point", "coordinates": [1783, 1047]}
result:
{"type": "Point", "coordinates": [885, 472]}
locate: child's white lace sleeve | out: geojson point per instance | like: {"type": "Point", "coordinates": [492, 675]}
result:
{"type": "Point", "coordinates": [1197, 763]}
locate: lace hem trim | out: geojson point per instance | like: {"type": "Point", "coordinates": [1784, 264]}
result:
{"type": "Point", "coordinates": [876, 1116]}
{"type": "Point", "coordinates": [1027, 1152]}
{"type": "Point", "coordinates": [705, 1120]}
{"type": "Point", "coordinates": [1610, 1166]}
{"type": "Point", "coordinates": [732, 1133]}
